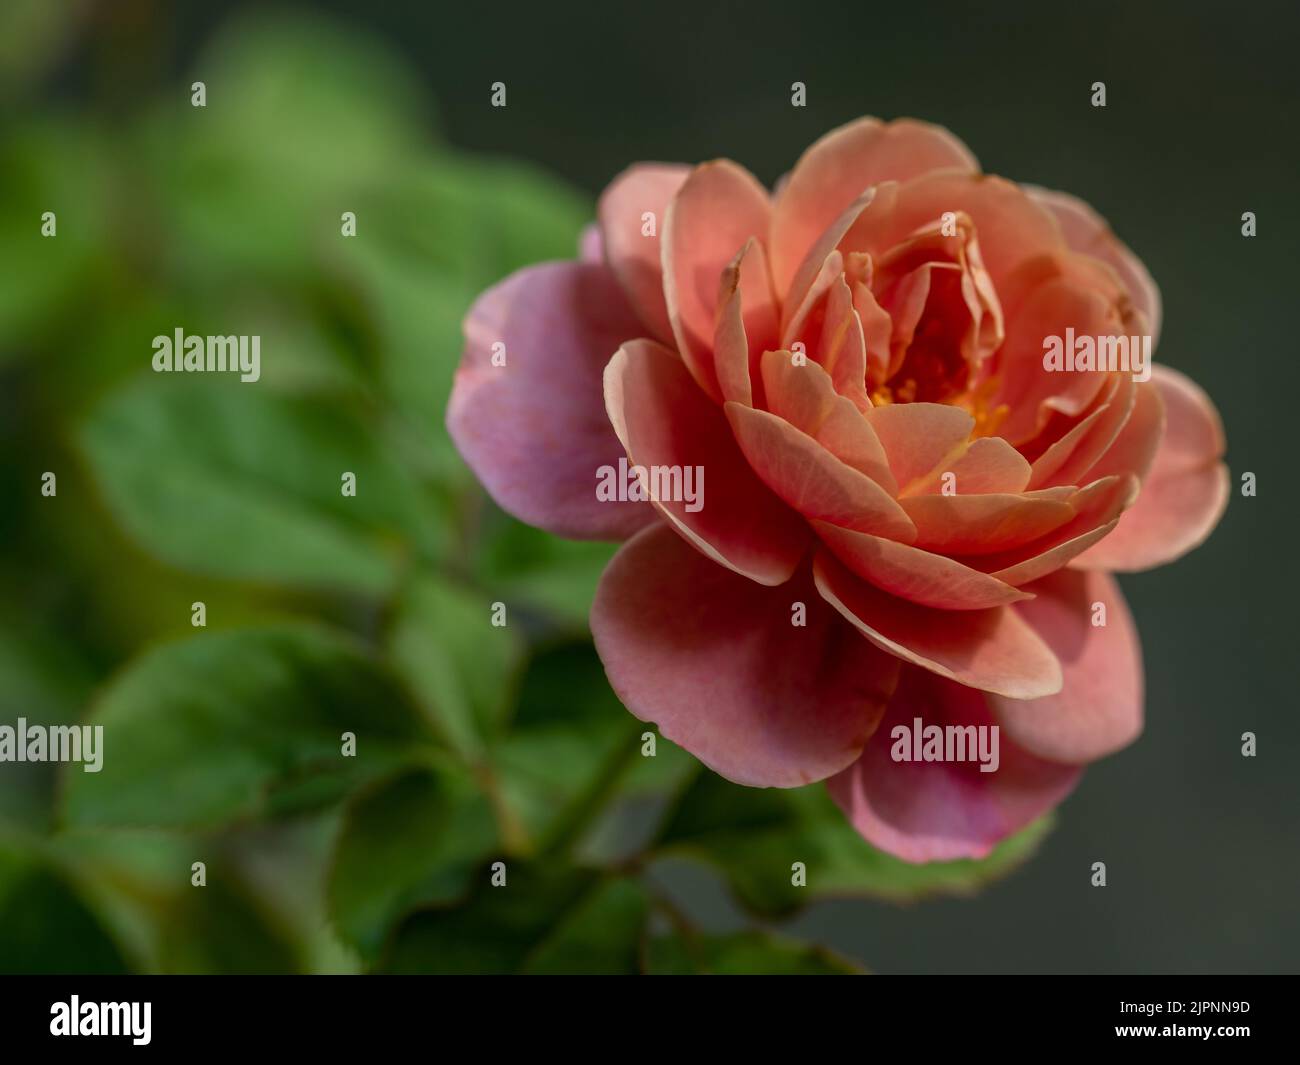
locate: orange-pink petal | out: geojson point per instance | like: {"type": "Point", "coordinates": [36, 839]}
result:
{"type": "Point", "coordinates": [631, 213]}
{"type": "Point", "coordinates": [717, 210]}
{"type": "Point", "coordinates": [1087, 232]}
{"type": "Point", "coordinates": [840, 167]}
{"type": "Point", "coordinates": [812, 480]}
{"type": "Point", "coordinates": [533, 427]}
{"type": "Point", "coordinates": [718, 664]}
{"type": "Point", "coordinates": [663, 419]}
{"type": "Point", "coordinates": [993, 650]}
{"type": "Point", "coordinates": [916, 575]}
{"type": "Point", "coordinates": [1185, 493]}
{"type": "Point", "coordinates": [1099, 708]}
{"type": "Point", "coordinates": [944, 810]}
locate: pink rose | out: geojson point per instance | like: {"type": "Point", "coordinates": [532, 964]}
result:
{"type": "Point", "coordinates": [913, 501]}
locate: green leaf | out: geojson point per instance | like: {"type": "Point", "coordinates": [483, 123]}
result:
{"type": "Point", "coordinates": [265, 879]}
{"type": "Point", "coordinates": [430, 238]}
{"type": "Point", "coordinates": [552, 919]}
{"type": "Point", "coordinates": [568, 746]}
{"type": "Point", "coordinates": [32, 35]}
{"type": "Point", "coordinates": [221, 929]}
{"type": "Point", "coordinates": [601, 933]}
{"type": "Point", "coordinates": [302, 115]}
{"type": "Point", "coordinates": [45, 927]}
{"type": "Point", "coordinates": [44, 680]}
{"type": "Point", "coordinates": [61, 167]}
{"type": "Point", "coordinates": [535, 569]}
{"type": "Point", "coordinates": [740, 953]}
{"type": "Point", "coordinates": [638, 802]}
{"type": "Point", "coordinates": [461, 667]}
{"type": "Point", "coordinates": [413, 312]}
{"type": "Point", "coordinates": [413, 840]}
{"type": "Point", "coordinates": [472, 220]}
{"type": "Point", "coordinates": [755, 835]}
{"type": "Point", "coordinates": [303, 92]}
{"type": "Point", "coordinates": [239, 724]}
{"type": "Point", "coordinates": [223, 478]}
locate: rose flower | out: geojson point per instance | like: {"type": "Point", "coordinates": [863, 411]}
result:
{"type": "Point", "coordinates": [923, 400]}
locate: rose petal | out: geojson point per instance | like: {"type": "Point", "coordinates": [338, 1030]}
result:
{"type": "Point", "coordinates": [1172, 516]}
{"type": "Point", "coordinates": [1193, 430]}
{"type": "Point", "coordinates": [746, 324]}
{"type": "Point", "coordinates": [877, 333]}
{"type": "Point", "coordinates": [1029, 389]}
{"type": "Point", "coordinates": [716, 662]}
{"type": "Point", "coordinates": [805, 396]}
{"type": "Point", "coordinates": [591, 245]}
{"type": "Point", "coordinates": [1185, 493]}
{"type": "Point", "coordinates": [1097, 508]}
{"type": "Point", "coordinates": [985, 524]}
{"type": "Point", "coordinates": [1013, 230]}
{"type": "Point", "coordinates": [922, 440]}
{"type": "Point", "coordinates": [662, 418]}
{"type": "Point", "coordinates": [646, 188]}
{"type": "Point", "coordinates": [941, 811]}
{"type": "Point", "coordinates": [814, 261]}
{"type": "Point", "coordinates": [812, 480]}
{"type": "Point", "coordinates": [1099, 708]}
{"type": "Point", "coordinates": [840, 167]}
{"type": "Point", "coordinates": [993, 650]}
{"type": "Point", "coordinates": [1069, 458]}
{"type": "Point", "coordinates": [842, 349]}
{"type": "Point", "coordinates": [534, 431]}
{"type": "Point", "coordinates": [1134, 449]}
{"type": "Point", "coordinates": [918, 576]}
{"type": "Point", "coordinates": [989, 465]}
{"type": "Point", "coordinates": [717, 210]}
{"type": "Point", "coordinates": [1086, 231]}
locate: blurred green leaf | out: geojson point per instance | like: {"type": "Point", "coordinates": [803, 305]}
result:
{"type": "Point", "coordinates": [301, 115]}
{"type": "Point", "coordinates": [568, 746]}
{"type": "Point", "coordinates": [741, 953]}
{"type": "Point", "coordinates": [221, 928]}
{"type": "Point", "coordinates": [60, 166]}
{"type": "Point", "coordinates": [413, 840]}
{"type": "Point", "coordinates": [414, 312]}
{"type": "Point", "coordinates": [45, 927]}
{"type": "Point", "coordinates": [638, 802]}
{"type": "Point", "coordinates": [286, 864]}
{"type": "Point", "coordinates": [239, 724]}
{"type": "Point", "coordinates": [303, 94]}
{"type": "Point", "coordinates": [537, 570]}
{"type": "Point", "coordinates": [754, 836]}
{"type": "Point", "coordinates": [471, 219]}
{"type": "Point", "coordinates": [271, 874]}
{"type": "Point", "coordinates": [669, 769]}
{"type": "Point", "coordinates": [131, 878]}
{"type": "Point", "coordinates": [461, 667]}
{"type": "Point", "coordinates": [429, 239]}
{"type": "Point", "coordinates": [42, 679]}
{"type": "Point", "coordinates": [601, 932]}
{"type": "Point", "coordinates": [32, 32]}
{"type": "Point", "coordinates": [551, 919]}
{"type": "Point", "coordinates": [224, 478]}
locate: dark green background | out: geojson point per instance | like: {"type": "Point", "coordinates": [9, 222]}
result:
{"type": "Point", "coordinates": [1200, 844]}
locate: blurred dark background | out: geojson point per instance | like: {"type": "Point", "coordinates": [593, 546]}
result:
{"type": "Point", "coordinates": [1200, 844]}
